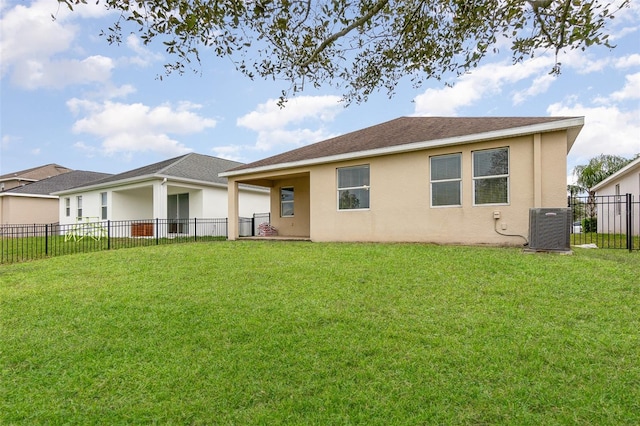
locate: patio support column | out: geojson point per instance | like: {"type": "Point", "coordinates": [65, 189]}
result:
{"type": "Point", "coordinates": [537, 170]}
{"type": "Point", "coordinates": [159, 200]}
{"type": "Point", "coordinates": [233, 208]}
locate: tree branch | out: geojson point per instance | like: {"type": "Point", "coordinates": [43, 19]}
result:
{"type": "Point", "coordinates": [333, 37]}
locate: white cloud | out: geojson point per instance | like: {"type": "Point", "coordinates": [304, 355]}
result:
{"type": "Point", "coordinates": [33, 74]}
{"type": "Point", "coordinates": [29, 33]}
{"type": "Point", "coordinates": [486, 80]}
{"type": "Point", "coordinates": [631, 89]}
{"type": "Point", "coordinates": [128, 128]}
{"type": "Point", "coordinates": [539, 85]}
{"type": "Point", "coordinates": [607, 130]}
{"type": "Point", "coordinates": [31, 40]}
{"type": "Point", "coordinates": [40, 46]}
{"type": "Point", "coordinates": [300, 122]}
{"type": "Point", "coordinates": [229, 152]}
{"type": "Point", "coordinates": [112, 92]}
{"type": "Point", "coordinates": [8, 140]}
{"type": "Point", "coordinates": [628, 61]}
{"type": "Point", "coordinates": [143, 56]}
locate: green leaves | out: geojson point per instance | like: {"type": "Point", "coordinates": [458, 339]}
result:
{"type": "Point", "coordinates": [364, 45]}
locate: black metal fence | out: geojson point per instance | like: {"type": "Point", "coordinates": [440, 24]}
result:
{"type": "Point", "coordinates": [248, 226]}
{"type": "Point", "coordinates": [606, 221]}
{"type": "Point", "coordinates": [34, 241]}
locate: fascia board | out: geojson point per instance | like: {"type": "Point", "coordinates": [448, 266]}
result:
{"type": "Point", "coordinates": [418, 146]}
{"type": "Point", "coordinates": [10, 194]}
{"type": "Point", "coordinates": [114, 183]}
{"type": "Point", "coordinates": [139, 179]}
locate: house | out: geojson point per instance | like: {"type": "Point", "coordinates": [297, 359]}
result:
{"type": "Point", "coordinates": [613, 205]}
{"type": "Point", "coordinates": [24, 177]}
{"type": "Point", "coordinates": [417, 179]}
{"type": "Point", "coordinates": [33, 203]}
{"type": "Point", "coordinates": [175, 189]}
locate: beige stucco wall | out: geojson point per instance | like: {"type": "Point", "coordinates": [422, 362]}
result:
{"type": "Point", "coordinates": [298, 224]}
{"type": "Point", "coordinates": [26, 210]}
{"type": "Point", "coordinates": [400, 207]}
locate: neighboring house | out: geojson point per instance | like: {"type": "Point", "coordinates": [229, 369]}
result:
{"type": "Point", "coordinates": [180, 188]}
{"type": "Point", "coordinates": [33, 203]}
{"type": "Point", "coordinates": [24, 177]}
{"type": "Point", "coordinates": [612, 210]}
{"type": "Point", "coordinates": [422, 179]}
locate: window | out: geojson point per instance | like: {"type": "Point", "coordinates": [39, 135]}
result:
{"type": "Point", "coordinates": [491, 176]}
{"type": "Point", "coordinates": [67, 207]}
{"type": "Point", "coordinates": [286, 202]}
{"type": "Point", "coordinates": [79, 204]}
{"type": "Point", "coordinates": [353, 188]}
{"type": "Point", "coordinates": [618, 200]}
{"type": "Point", "coordinates": [103, 203]}
{"type": "Point", "coordinates": [446, 180]}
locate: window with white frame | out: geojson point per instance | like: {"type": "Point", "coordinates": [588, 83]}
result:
{"type": "Point", "coordinates": [353, 187]}
{"type": "Point", "coordinates": [286, 201]}
{"type": "Point", "coordinates": [446, 180]}
{"type": "Point", "coordinates": [491, 176]}
{"type": "Point", "coordinates": [103, 205]}
{"type": "Point", "coordinates": [79, 205]}
{"type": "Point", "coordinates": [67, 207]}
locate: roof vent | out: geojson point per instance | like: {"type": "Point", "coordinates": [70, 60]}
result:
{"type": "Point", "coordinates": [549, 229]}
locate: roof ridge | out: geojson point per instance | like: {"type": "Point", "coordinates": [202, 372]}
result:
{"type": "Point", "coordinates": [21, 172]}
{"type": "Point", "coordinates": [179, 160]}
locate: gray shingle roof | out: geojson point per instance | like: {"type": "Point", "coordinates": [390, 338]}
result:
{"type": "Point", "coordinates": [58, 183]}
{"type": "Point", "coordinates": [400, 131]}
{"type": "Point", "coordinates": [192, 166]}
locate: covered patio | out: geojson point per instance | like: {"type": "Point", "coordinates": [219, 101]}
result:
{"type": "Point", "coordinates": [289, 204]}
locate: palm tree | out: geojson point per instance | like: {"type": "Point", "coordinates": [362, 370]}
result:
{"type": "Point", "coordinates": [589, 175]}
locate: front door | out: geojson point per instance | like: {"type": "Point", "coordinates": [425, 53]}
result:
{"type": "Point", "coordinates": [178, 213]}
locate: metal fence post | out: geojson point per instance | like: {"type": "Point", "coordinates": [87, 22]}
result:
{"type": "Point", "coordinates": [46, 239]}
{"type": "Point", "coordinates": [157, 231]}
{"type": "Point", "coordinates": [629, 217]}
{"type": "Point", "coordinates": [108, 235]}
{"type": "Point", "coordinates": [195, 229]}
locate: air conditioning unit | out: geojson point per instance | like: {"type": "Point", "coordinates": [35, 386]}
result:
{"type": "Point", "coordinates": [549, 229]}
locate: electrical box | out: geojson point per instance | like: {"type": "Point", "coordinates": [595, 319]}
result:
{"type": "Point", "coordinates": [496, 214]}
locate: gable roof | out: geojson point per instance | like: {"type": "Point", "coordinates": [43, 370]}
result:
{"type": "Point", "coordinates": [35, 173]}
{"type": "Point", "coordinates": [189, 167]}
{"type": "Point", "coordinates": [58, 183]}
{"type": "Point", "coordinates": [635, 164]}
{"type": "Point", "coordinates": [412, 133]}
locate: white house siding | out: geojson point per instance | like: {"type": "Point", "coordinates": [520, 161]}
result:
{"type": "Point", "coordinates": [148, 200]}
{"type": "Point", "coordinates": [91, 206]}
{"type": "Point", "coordinates": [250, 200]}
{"type": "Point", "coordinates": [611, 219]}
{"type": "Point", "coordinates": [130, 203]}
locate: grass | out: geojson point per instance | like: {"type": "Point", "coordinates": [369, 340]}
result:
{"type": "Point", "coordinates": [30, 248]}
{"type": "Point", "coordinates": [605, 241]}
{"type": "Point", "coordinates": [311, 333]}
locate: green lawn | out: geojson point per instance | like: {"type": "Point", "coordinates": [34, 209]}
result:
{"type": "Point", "coordinates": [314, 334]}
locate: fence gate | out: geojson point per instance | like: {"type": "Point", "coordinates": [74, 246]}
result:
{"type": "Point", "coordinates": [608, 221]}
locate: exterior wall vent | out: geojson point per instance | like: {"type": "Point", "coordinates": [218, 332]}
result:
{"type": "Point", "coordinates": [549, 229]}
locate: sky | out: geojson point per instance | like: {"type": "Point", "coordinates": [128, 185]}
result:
{"type": "Point", "coordinates": [70, 98]}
